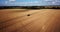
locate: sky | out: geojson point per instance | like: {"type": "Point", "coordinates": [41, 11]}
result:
{"type": "Point", "coordinates": [29, 2]}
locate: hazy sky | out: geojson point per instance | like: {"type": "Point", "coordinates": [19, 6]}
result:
{"type": "Point", "coordinates": [29, 2]}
